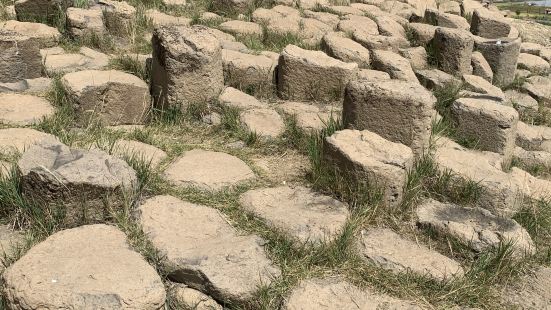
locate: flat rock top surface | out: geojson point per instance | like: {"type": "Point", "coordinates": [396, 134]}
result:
{"type": "Point", "coordinates": [298, 211]}
{"type": "Point", "coordinates": [315, 58]}
{"type": "Point", "coordinates": [60, 163]}
{"type": "Point", "coordinates": [401, 91]}
{"type": "Point", "coordinates": [23, 110]}
{"type": "Point", "coordinates": [208, 170]}
{"type": "Point", "coordinates": [19, 139]}
{"type": "Point", "coordinates": [139, 150]}
{"type": "Point", "coordinates": [388, 250]}
{"type": "Point", "coordinates": [79, 81]}
{"type": "Point", "coordinates": [90, 267]}
{"type": "Point", "coordinates": [204, 250]}
{"type": "Point", "coordinates": [532, 291]}
{"type": "Point", "coordinates": [187, 40]}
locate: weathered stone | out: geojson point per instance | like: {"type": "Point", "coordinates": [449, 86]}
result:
{"type": "Point", "coordinates": [365, 157]}
{"type": "Point", "coordinates": [192, 299]}
{"type": "Point", "coordinates": [17, 140]}
{"type": "Point", "coordinates": [378, 42]}
{"type": "Point", "coordinates": [534, 64]}
{"type": "Point", "coordinates": [539, 87]}
{"type": "Point", "coordinates": [162, 19]}
{"type": "Point", "coordinates": [488, 24]}
{"type": "Point", "coordinates": [46, 36]}
{"type": "Point", "coordinates": [451, 7]}
{"type": "Point", "coordinates": [85, 22]}
{"type": "Point", "coordinates": [41, 10]}
{"type": "Point", "coordinates": [138, 150]}
{"type": "Point", "coordinates": [531, 291]}
{"type": "Point", "coordinates": [234, 98]}
{"type": "Point", "coordinates": [492, 126]}
{"type": "Point", "coordinates": [263, 121]}
{"type": "Point", "coordinates": [502, 56]}
{"type": "Point", "coordinates": [233, 6]}
{"type": "Point", "coordinates": [312, 31]}
{"type": "Point", "coordinates": [187, 66]}
{"type": "Point", "coordinates": [299, 212]}
{"type": "Point", "coordinates": [417, 57]}
{"type": "Point", "coordinates": [499, 193]}
{"type": "Point", "coordinates": [207, 170]}
{"type": "Point", "coordinates": [205, 252]}
{"type": "Point", "coordinates": [386, 249]}
{"type": "Point", "coordinates": [118, 16]}
{"type": "Point", "coordinates": [453, 49]}
{"type": "Point", "coordinates": [85, 184]}
{"type": "Point", "coordinates": [19, 57]}
{"type": "Point", "coordinates": [532, 159]}
{"type": "Point", "coordinates": [422, 34]}
{"type": "Point", "coordinates": [395, 65]}
{"type": "Point", "coordinates": [397, 110]}
{"type": "Point", "coordinates": [242, 28]}
{"type": "Point", "coordinates": [345, 49]}
{"type": "Point", "coordinates": [310, 117]}
{"type": "Point", "coordinates": [307, 75]}
{"type": "Point", "coordinates": [334, 293]}
{"type": "Point", "coordinates": [531, 48]}
{"type": "Point", "coordinates": [363, 24]}
{"type": "Point", "coordinates": [521, 101]}
{"type": "Point", "coordinates": [10, 240]}
{"type": "Point", "coordinates": [531, 137]}
{"type": "Point", "coordinates": [434, 79]}
{"type": "Point", "coordinates": [389, 27]}
{"type": "Point", "coordinates": [109, 97]}
{"type": "Point", "coordinates": [90, 267]}
{"type": "Point", "coordinates": [246, 71]}
{"type": "Point", "coordinates": [531, 186]}
{"type": "Point", "coordinates": [371, 75]}
{"type": "Point", "coordinates": [446, 20]}
{"type": "Point", "coordinates": [329, 19]}
{"type": "Point", "coordinates": [481, 67]}
{"type": "Point", "coordinates": [345, 10]}
{"type": "Point", "coordinates": [56, 60]}
{"type": "Point", "coordinates": [479, 85]}
{"type": "Point", "coordinates": [475, 227]}
{"type": "Point", "coordinates": [23, 110]}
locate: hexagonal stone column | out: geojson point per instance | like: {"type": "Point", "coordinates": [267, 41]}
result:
{"type": "Point", "coordinates": [502, 55]}
{"type": "Point", "coordinates": [453, 48]}
{"type": "Point", "coordinates": [19, 57]}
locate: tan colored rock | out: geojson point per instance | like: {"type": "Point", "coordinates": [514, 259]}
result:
{"type": "Point", "coordinates": [192, 299]}
{"type": "Point", "coordinates": [534, 64]}
{"type": "Point", "coordinates": [45, 35]}
{"type": "Point", "coordinates": [386, 249]}
{"type": "Point", "coordinates": [502, 58]}
{"type": "Point", "coordinates": [186, 67]}
{"type": "Point", "coordinates": [422, 34]}
{"type": "Point", "coordinates": [86, 183]}
{"type": "Point", "coordinates": [445, 20]}
{"type": "Point", "coordinates": [139, 150]}
{"type": "Point", "coordinates": [477, 228]}
{"type": "Point", "coordinates": [23, 110]}
{"type": "Point", "coordinates": [335, 293]}
{"type": "Point", "coordinates": [417, 57]}
{"type": "Point", "coordinates": [246, 71]}
{"type": "Point", "coordinates": [204, 251]}
{"type": "Point", "coordinates": [378, 42]}
{"type": "Point", "coordinates": [43, 10]}
{"type": "Point", "coordinates": [345, 49]}
{"type": "Point", "coordinates": [434, 79]}
{"type": "Point", "coordinates": [329, 19]}
{"type": "Point", "coordinates": [453, 48]}
{"type": "Point", "coordinates": [265, 122]}
{"type": "Point", "coordinates": [488, 24]}
{"type": "Point", "coordinates": [531, 186]}
{"type": "Point", "coordinates": [90, 267]}
{"type": "Point", "coordinates": [480, 85]}
{"type": "Point", "coordinates": [531, 137]}
{"type": "Point", "coordinates": [352, 23]}
{"type": "Point", "coordinates": [389, 27]}
{"type": "Point", "coordinates": [57, 61]}
{"type": "Point", "coordinates": [17, 140]}
{"type": "Point", "coordinates": [481, 67]}
{"type": "Point", "coordinates": [539, 88]}
{"type": "Point", "coordinates": [521, 101]}
{"type": "Point", "coordinates": [531, 291]}
{"type": "Point", "coordinates": [118, 16]}
{"type": "Point", "coordinates": [19, 57]}
{"type": "Point", "coordinates": [366, 158]}
{"type": "Point", "coordinates": [234, 98]}
{"type": "Point", "coordinates": [312, 31]}
{"type": "Point", "coordinates": [532, 158]}
{"type": "Point", "coordinates": [162, 19]}
{"type": "Point", "coordinates": [299, 212]}
{"type": "Point", "coordinates": [242, 28]}
{"type": "Point", "coordinates": [371, 75]}
{"type": "Point", "coordinates": [451, 7]}
{"type": "Point", "coordinates": [395, 65]}
{"type": "Point", "coordinates": [109, 97]}
{"type": "Point", "coordinates": [311, 75]}
{"type": "Point", "coordinates": [10, 241]}
{"type": "Point", "coordinates": [207, 170]}
{"type": "Point", "coordinates": [397, 110]}
{"type": "Point", "coordinates": [310, 117]}
{"type": "Point", "coordinates": [85, 22]}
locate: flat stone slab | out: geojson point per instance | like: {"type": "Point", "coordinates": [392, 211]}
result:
{"type": "Point", "coordinates": [193, 299]}
{"type": "Point", "coordinates": [56, 60]}
{"type": "Point", "coordinates": [265, 122]}
{"type": "Point", "coordinates": [139, 150]}
{"type": "Point", "coordinates": [10, 240]}
{"type": "Point", "coordinates": [306, 216]}
{"type": "Point", "coordinates": [476, 227]}
{"type": "Point", "coordinates": [23, 110]}
{"type": "Point", "coordinates": [334, 293]}
{"type": "Point", "coordinates": [90, 267]}
{"type": "Point", "coordinates": [208, 170]}
{"type": "Point", "coordinates": [82, 181]}
{"type": "Point", "coordinates": [531, 292]}
{"type": "Point", "coordinates": [16, 140]}
{"type": "Point", "coordinates": [311, 117]}
{"type": "Point", "coordinates": [385, 248]}
{"type": "Point", "coordinates": [205, 252]}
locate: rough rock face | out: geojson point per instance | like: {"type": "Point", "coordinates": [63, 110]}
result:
{"type": "Point", "coordinates": [453, 49]}
{"type": "Point", "coordinates": [208, 170]}
{"type": "Point", "coordinates": [445, 20]}
{"type": "Point", "coordinates": [538, 87]}
{"type": "Point", "coordinates": [531, 292]}
{"type": "Point", "coordinates": [42, 10]}
{"type": "Point", "coordinates": [395, 65]}
{"type": "Point", "coordinates": [248, 71]}
{"type": "Point", "coordinates": [479, 85]}
{"type": "Point", "coordinates": [307, 75]}
{"type": "Point", "coordinates": [10, 240]}
{"type": "Point", "coordinates": [56, 60]}
{"type": "Point", "coordinates": [17, 140]}
{"type": "Point", "coordinates": [365, 157]}
{"type": "Point", "coordinates": [82, 268]}
{"type": "Point", "coordinates": [481, 67]}
{"type": "Point", "coordinates": [304, 215]}
{"type": "Point", "coordinates": [399, 111]}
{"type": "Point", "coordinates": [234, 98]}
{"type": "Point", "coordinates": [46, 36]}
{"type": "Point", "coordinates": [83, 22]}
{"type": "Point", "coordinates": [193, 299]}
{"type": "Point", "coordinates": [19, 57]}
{"type": "Point", "coordinates": [141, 151]}
{"type": "Point", "coordinates": [310, 117]}
{"type": "Point", "coordinates": [421, 34]}
{"type": "Point", "coordinates": [338, 46]}
{"type": "Point", "coordinates": [82, 182]}
{"type": "Point", "coordinates": [533, 63]}
{"type": "Point", "coordinates": [433, 79]}
{"type": "Point", "coordinates": [23, 110]}
{"type": "Point", "coordinates": [378, 42]}
{"type": "Point", "coordinates": [118, 16]}
{"type": "Point", "coordinates": [476, 227]}
{"type": "Point", "coordinates": [502, 58]}
{"type": "Point", "coordinates": [385, 248]}
{"type": "Point", "coordinates": [203, 251]}
{"type": "Point", "coordinates": [265, 122]}
{"type": "Point", "coordinates": [490, 25]}
{"type": "Point", "coordinates": [187, 66]}
{"type": "Point", "coordinates": [109, 97]}
{"type": "Point", "coordinates": [334, 293]}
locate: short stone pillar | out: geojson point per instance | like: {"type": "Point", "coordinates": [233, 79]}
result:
{"type": "Point", "coordinates": [453, 49]}
{"type": "Point", "coordinates": [502, 55]}
{"type": "Point", "coordinates": [19, 57]}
